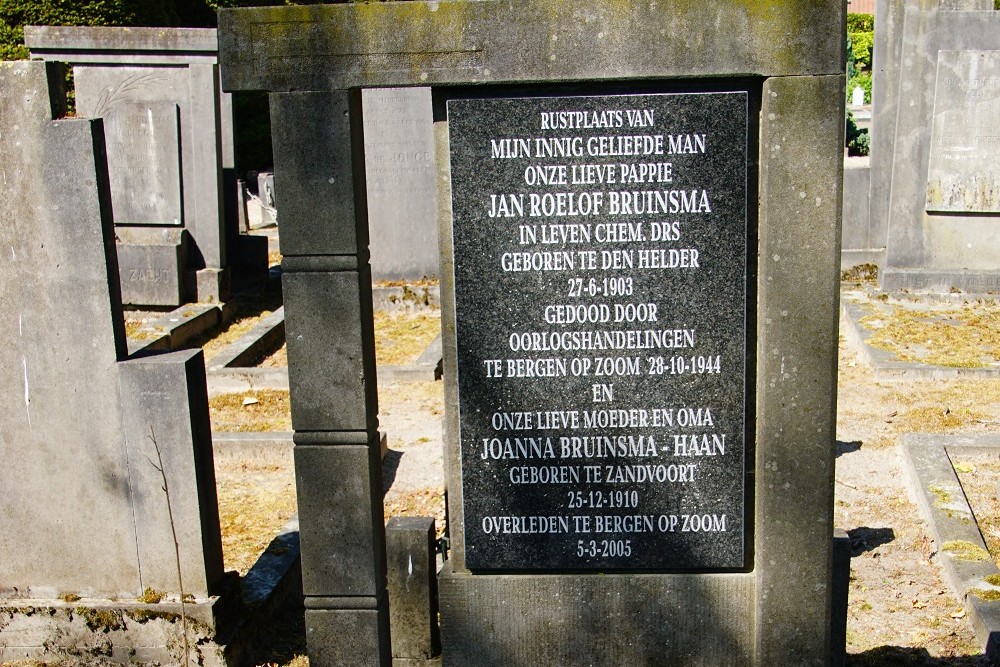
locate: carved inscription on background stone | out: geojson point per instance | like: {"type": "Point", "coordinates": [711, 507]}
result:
{"type": "Point", "coordinates": [963, 174]}
{"type": "Point", "coordinates": [143, 142]}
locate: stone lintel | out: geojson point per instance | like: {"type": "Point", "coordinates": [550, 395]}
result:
{"type": "Point", "coordinates": [450, 42]}
{"type": "Point", "coordinates": [110, 44]}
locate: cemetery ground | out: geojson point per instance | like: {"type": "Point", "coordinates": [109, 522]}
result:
{"type": "Point", "coordinates": [901, 609]}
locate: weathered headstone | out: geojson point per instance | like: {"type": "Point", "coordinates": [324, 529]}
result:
{"type": "Point", "coordinates": [400, 172]}
{"type": "Point", "coordinates": [87, 432]}
{"type": "Point", "coordinates": [938, 223]}
{"type": "Point", "coordinates": [170, 150]}
{"type": "Point", "coordinates": [144, 162]}
{"type": "Point", "coordinates": [963, 175]}
{"type": "Point", "coordinates": [742, 281]}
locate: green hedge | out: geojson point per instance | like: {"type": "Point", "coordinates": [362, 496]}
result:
{"type": "Point", "coordinates": [860, 22]}
{"type": "Point", "coordinates": [861, 46]}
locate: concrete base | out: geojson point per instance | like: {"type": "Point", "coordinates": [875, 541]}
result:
{"type": "Point", "coordinates": [893, 279]}
{"type": "Point", "coordinates": [110, 632]}
{"type": "Point", "coordinates": [151, 265]}
{"type": "Point", "coordinates": [613, 620]}
{"type": "Point", "coordinates": [211, 285]}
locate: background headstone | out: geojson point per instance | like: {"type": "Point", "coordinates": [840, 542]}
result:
{"type": "Point", "coordinates": [927, 249]}
{"type": "Point", "coordinates": [164, 173]}
{"type": "Point", "coordinates": [400, 170]}
{"type": "Point", "coordinates": [144, 162]}
{"type": "Point", "coordinates": [963, 175]}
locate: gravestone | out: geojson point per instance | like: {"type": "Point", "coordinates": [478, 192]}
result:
{"type": "Point", "coordinates": [86, 431]}
{"type": "Point", "coordinates": [170, 153]}
{"type": "Point", "coordinates": [931, 174]}
{"type": "Point", "coordinates": [144, 155]}
{"type": "Point", "coordinates": [400, 172]}
{"type": "Point", "coordinates": [963, 175]}
{"type": "Point", "coordinates": [579, 381]}
{"type": "Point", "coordinates": [702, 542]}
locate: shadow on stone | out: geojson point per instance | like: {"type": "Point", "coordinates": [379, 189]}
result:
{"type": "Point", "coordinates": [899, 656]}
{"type": "Point", "coordinates": [848, 447]}
{"type": "Point", "coordinates": [390, 464]}
{"type": "Point", "coordinates": [868, 539]}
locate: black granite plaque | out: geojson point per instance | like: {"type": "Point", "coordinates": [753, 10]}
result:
{"type": "Point", "coordinates": [600, 284]}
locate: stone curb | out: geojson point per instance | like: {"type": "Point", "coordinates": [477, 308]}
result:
{"type": "Point", "coordinates": [246, 444]}
{"type": "Point", "coordinates": [267, 334]}
{"type": "Point", "coordinates": [950, 520]}
{"type": "Point", "coordinates": [887, 366]}
{"type": "Point", "coordinates": [177, 327]}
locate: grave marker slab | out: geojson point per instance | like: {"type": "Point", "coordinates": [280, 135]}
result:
{"type": "Point", "coordinates": [767, 604]}
{"type": "Point", "coordinates": [143, 142]}
{"type": "Point", "coordinates": [400, 171]}
{"type": "Point", "coordinates": [963, 175]}
{"type": "Point", "coordinates": [78, 423]}
{"type": "Point", "coordinates": [929, 249]}
{"type": "Point", "coordinates": [600, 277]}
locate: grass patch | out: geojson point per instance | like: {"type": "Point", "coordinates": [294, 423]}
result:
{"type": "Point", "coordinates": [277, 359]}
{"type": "Point", "coordinates": [137, 330]}
{"type": "Point", "coordinates": [251, 411]}
{"type": "Point", "coordinates": [256, 498]}
{"type": "Point", "coordinates": [400, 338]}
{"type": "Point", "coordinates": [953, 336]}
{"type": "Point", "coordinates": [422, 502]}
{"type": "Point", "coordinates": [231, 334]}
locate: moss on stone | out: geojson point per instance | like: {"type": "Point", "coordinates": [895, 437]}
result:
{"type": "Point", "coordinates": [103, 620]}
{"type": "Point", "coordinates": [146, 615]}
{"type": "Point", "coordinates": [942, 496]}
{"type": "Point", "coordinates": [990, 595]}
{"type": "Point", "coordinates": [962, 550]}
{"type": "Point", "coordinates": [151, 596]}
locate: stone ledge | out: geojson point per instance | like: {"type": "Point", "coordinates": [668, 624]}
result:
{"type": "Point", "coordinates": [887, 366]}
{"type": "Point", "coordinates": [950, 519]}
{"type": "Point", "coordinates": [109, 632]}
{"type": "Point", "coordinates": [265, 336]}
{"type": "Point", "coordinates": [177, 327]}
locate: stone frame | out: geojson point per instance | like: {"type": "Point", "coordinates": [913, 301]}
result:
{"type": "Point", "coordinates": [177, 66]}
{"type": "Point", "coordinates": [780, 611]}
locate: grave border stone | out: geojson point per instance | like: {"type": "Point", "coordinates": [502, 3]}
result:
{"type": "Point", "coordinates": [782, 608]}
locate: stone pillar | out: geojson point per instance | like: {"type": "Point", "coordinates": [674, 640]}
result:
{"type": "Point", "coordinates": [319, 158]}
{"type": "Point", "coordinates": [800, 211]}
{"type": "Point", "coordinates": [413, 590]}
